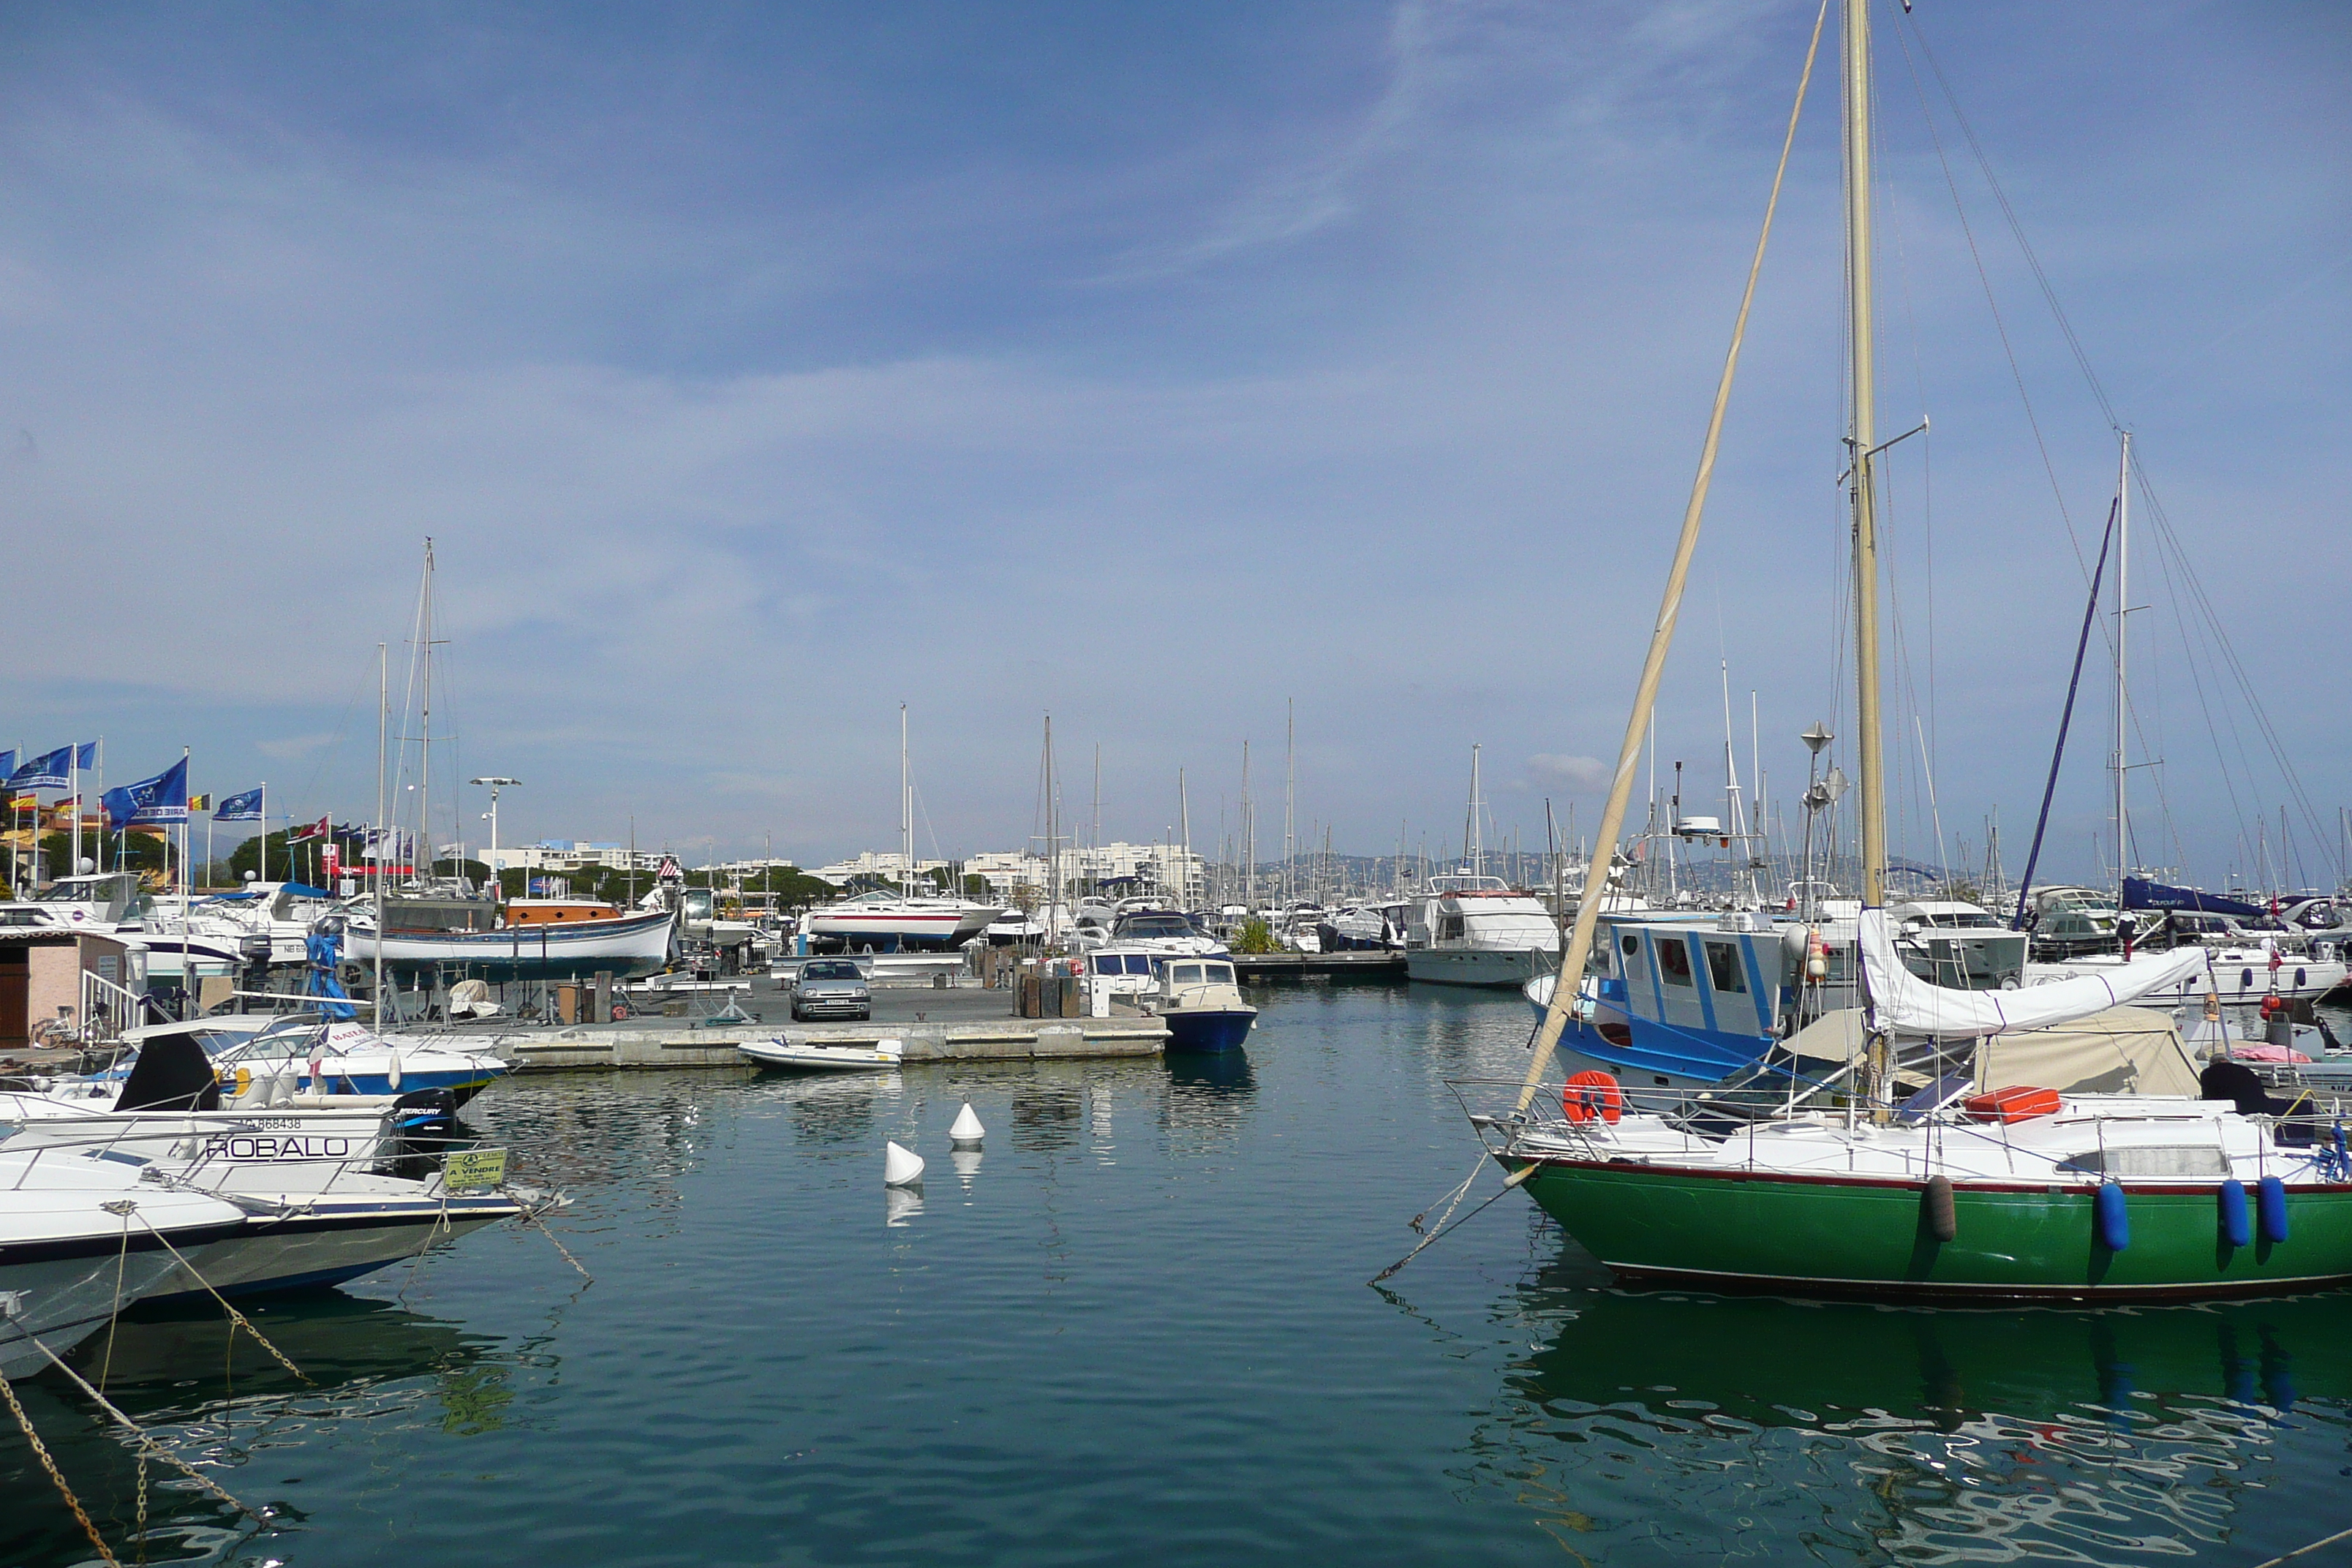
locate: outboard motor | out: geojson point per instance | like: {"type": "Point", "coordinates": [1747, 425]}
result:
{"type": "Point", "coordinates": [423, 1123]}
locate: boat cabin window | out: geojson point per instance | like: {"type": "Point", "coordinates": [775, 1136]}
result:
{"type": "Point", "coordinates": [1219, 974]}
{"type": "Point", "coordinates": [1674, 959]}
{"type": "Point", "coordinates": [1138, 963]}
{"type": "Point", "coordinates": [1187, 975]}
{"type": "Point", "coordinates": [1629, 944]}
{"type": "Point", "coordinates": [1724, 970]}
{"type": "Point", "coordinates": [1108, 964]}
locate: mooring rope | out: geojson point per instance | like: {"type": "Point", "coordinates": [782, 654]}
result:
{"type": "Point", "coordinates": [148, 1444]}
{"type": "Point", "coordinates": [41, 1452]}
{"type": "Point", "coordinates": [530, 1218]}
{"type": "Point", "coordinates": [236, 1318]}
{"type": "Point", "coordinates": [2300, 1551]}
{"type": "Point", "coordinates": [1452, 1203]}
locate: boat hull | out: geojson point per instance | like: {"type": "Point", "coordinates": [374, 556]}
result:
{"type": "Point", "coordinates": [1208, 1029]}
{"type": "Point", "coordinates": [1482, 966]}
{"type": "Point", "coordinates": [63, 1291]}
{"type": "Point", "coordinates": [327, 1245]}
{"type": "Point", "coordinates": [631, 945]}
{"type": "Point", "coordinates": [1836, 1236]}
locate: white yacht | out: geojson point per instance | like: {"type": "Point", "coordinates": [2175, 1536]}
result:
{"type": "Point", "coordinates": [888, 922]}
{"type": "Point", "coordinates": [1467, 929]}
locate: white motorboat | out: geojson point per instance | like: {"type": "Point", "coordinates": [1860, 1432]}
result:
{"type": "Point", "coordinates": [1016, 928]}
{"type": "Point", "coordinates": [1468, 929]}
{"type": "Point", "coordinates": [888, 922]}
{"type": "Point", "coordinates": [313, 1209]}
{"type": "Point", "coordinates": [299, 1052]}
{"type": "Point", "coordinates": [81, 1238]}
{"type": "Point", "coordinates": [816, 1056]}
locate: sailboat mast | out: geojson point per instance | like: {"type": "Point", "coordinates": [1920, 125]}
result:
{"type": "Point", "coordinates": [1477, 835]}
{"type": "Point", "coordinates": [1870, 764]}
{"type": "Point", "coordinates": [906, 815]}
{"type": "Point", "coordinates": [2123, 621]}
{"type": "Point", "coordinates": [1185, 817]}
{"type": "Point", "coordinates": [425, 744]}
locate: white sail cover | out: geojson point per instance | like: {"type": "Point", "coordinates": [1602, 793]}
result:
{"type": "Point", "coordinates": [1902, 1002]}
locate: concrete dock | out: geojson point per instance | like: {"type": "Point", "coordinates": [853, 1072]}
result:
{"type": "Point", "coordinates": [959, 1024]}
{"type": "Point", "coordinates": [1257, 968]}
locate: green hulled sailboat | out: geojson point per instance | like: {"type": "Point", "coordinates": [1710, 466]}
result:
{"type": "Point", "coordinates": [1925, 1162]}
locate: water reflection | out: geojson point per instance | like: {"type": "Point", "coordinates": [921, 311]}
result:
{"type": "Point", "coordinates": [1046, 1117]}
{"type": "Point", "coordinates": [900, 1206]}
{"type": "Point", "coordinates": [219, 1401]}
{"type": "Point", "coordinates": [1928, 1435]}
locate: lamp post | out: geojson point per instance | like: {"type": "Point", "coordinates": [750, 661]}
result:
{"type": "Point", "coordinates": [495, 783]}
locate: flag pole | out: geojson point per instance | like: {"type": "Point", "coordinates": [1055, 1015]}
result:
{"type": "Point", "coordinates": [73, 777]}
{"type": "Point", "coordinates": [264, 875]}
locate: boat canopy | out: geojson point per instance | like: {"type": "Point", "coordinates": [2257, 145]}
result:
{"type": "Point", "coordinates": [2139, 893]}
{"type": "Point", "coordinates": [1903, 1002]}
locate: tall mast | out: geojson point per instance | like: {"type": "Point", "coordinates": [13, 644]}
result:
{"type": "Point", "coordinates": [905, 814]}
{"type": "Point", "coordinates": [2123, 620]}
{"type": "Point", "coordinates": [384, 840]}
{"type": "Point", "coordinates": [424, 745]}
{"type": "Point", "coordinates": [1249, 840]}
{"type": "Point", "coordinates": [1184, 816]}
{"type": "Point", "coordinates": [1289, 793]}
{"type": "Point", "coordinates": [1475, 844]}
{"type": "Point", "coordinates": [1870, 765]}
{"type": "Point", "coordinates": [1053, 853]}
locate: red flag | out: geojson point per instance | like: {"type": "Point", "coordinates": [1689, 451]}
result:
{"type": "Point", "coordinates": [318, 829]}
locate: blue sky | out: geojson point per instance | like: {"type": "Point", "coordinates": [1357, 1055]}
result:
{"type": "Point", "coordinates": [756, 370]}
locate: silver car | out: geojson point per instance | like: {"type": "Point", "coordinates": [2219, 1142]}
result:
{"type": "Point", "coordinates": [831, 988]}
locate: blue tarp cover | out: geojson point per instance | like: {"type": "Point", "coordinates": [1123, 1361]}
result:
{"type": "Point", "coordinates": [2139, 893]}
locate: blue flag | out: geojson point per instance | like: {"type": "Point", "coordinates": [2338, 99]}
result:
{"type": "Point", "coordinates": [7, 762]}
{"type": "Point", "coordinates": [86, 756]}
{"type": "Point", "coordinates": [44, 771]}
{"type": "Point", "coordinates": [246, 807]}
{"type": "Point", "coordinates": [161, 799]}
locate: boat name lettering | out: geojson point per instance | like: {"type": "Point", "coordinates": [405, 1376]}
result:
{"type": "Point", "coordinates": [266, 1147]}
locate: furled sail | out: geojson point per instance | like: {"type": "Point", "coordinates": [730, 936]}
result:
{"type": "Point", "coordinates": [1902, 1002]}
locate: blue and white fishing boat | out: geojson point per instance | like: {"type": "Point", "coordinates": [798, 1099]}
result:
{"type": "Point", "coordinates": [1202, 1005]}
{"type": "Point", "coordinates": [310, 1054]}
{"type": "Point", "coordinates": [1687, 1002]}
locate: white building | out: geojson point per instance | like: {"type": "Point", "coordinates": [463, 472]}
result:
{"type": "Point", "coordinates": [562, 854]}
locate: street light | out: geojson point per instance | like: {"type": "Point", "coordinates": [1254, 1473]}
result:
{"type": "Point", "coordinates": [496, 782]}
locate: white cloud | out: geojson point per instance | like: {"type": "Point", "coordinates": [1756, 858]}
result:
{"type": "Point", "coordinates": [1583, 773]}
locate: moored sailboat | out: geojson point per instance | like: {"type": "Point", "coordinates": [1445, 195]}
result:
{"type": "Point", "coordinates": [1941, 1167]}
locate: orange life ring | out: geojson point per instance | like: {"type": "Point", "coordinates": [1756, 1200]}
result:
{"type": "Point", "coordinates": [1592, 1093]}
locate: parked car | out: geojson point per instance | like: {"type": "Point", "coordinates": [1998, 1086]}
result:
{"type": "Point", "coordinates": [831, 988]}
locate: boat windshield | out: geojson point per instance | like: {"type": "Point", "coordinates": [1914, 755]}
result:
{"type": "Point", "coordinates": [1160, 925]}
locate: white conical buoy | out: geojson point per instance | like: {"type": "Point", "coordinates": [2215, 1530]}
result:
{"type": "Point", "coordinates": [966, 1128]}
{"type": "Point", "coordinates": [900, 1167]}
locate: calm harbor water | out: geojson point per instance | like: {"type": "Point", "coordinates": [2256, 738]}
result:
{"type": "Point", "coordinates": [1136, 1329]}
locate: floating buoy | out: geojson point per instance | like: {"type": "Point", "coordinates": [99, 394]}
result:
{"type": "Point", "coordinates": [2110, 1221]}
{"type": "Point", "coordinates": [1935, 1200]}
{"type": "Point", "coordinates": [966, 1128]}
{"type": "Point", "coordinates": [2237, 1220]}
{"type": "Point", "coordinates": [2270, 1205]}
{"type": "Point", "coordinates": [901, 1167]}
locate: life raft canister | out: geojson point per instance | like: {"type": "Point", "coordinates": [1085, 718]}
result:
{"type": "Point", "coordinates": [1591, 1093]}
{"type": "Point", "coordinates": [2019, 1102]}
